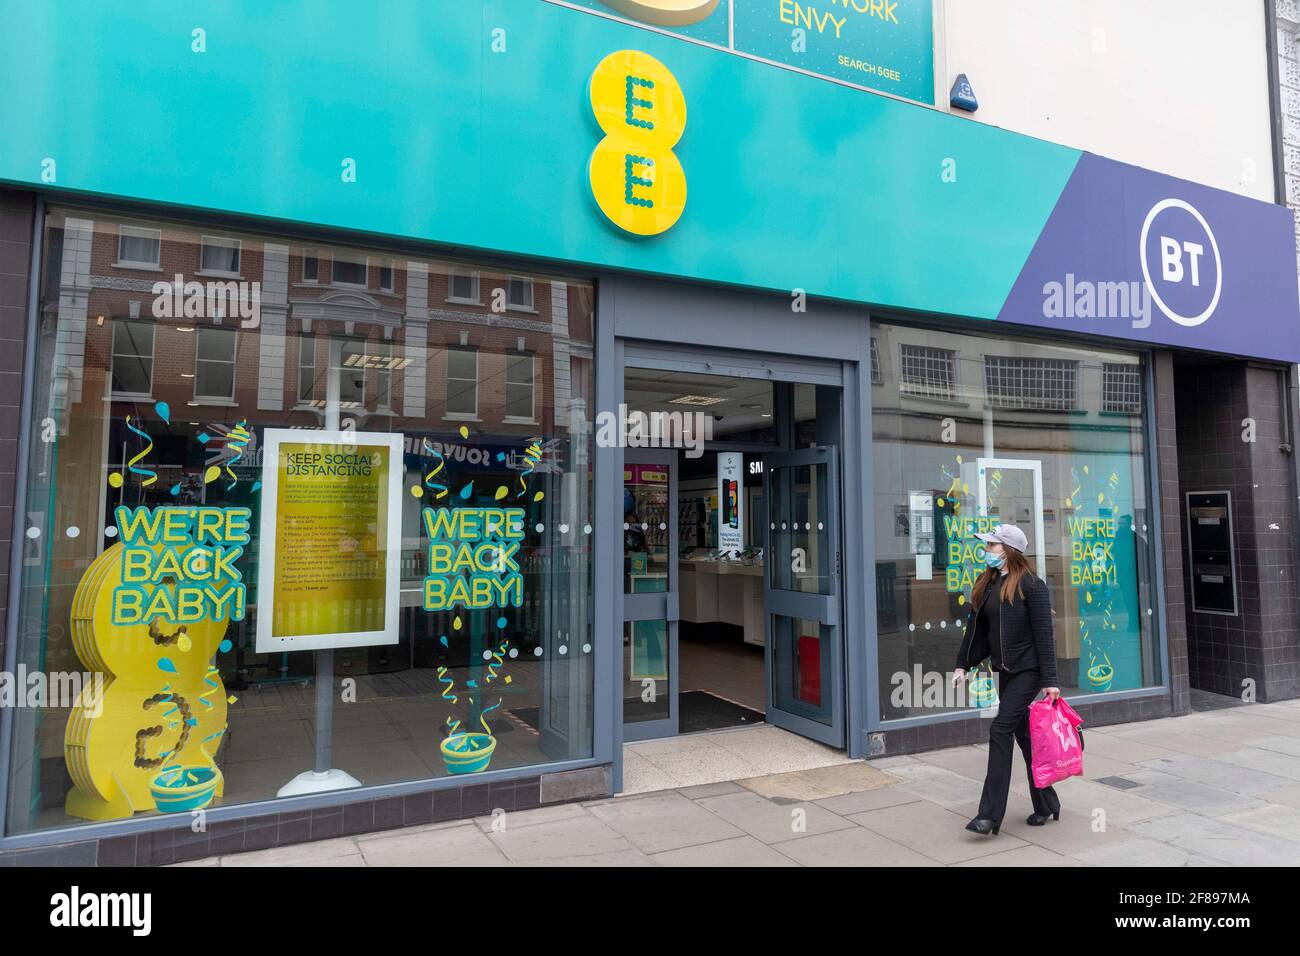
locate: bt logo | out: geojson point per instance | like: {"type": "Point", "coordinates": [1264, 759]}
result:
{"type": "Point", "coordinates": [1189, 279]}
{"type": "Point", "coordinates": [637, 180]}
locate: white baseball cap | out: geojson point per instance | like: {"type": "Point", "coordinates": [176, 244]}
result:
{"type": "Point", "coordinates": [1007, 534]}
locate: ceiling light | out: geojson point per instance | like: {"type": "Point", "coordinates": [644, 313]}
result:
{"type": "Point", "coordinates": [695, 400]}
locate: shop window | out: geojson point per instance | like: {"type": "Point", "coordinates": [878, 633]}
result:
{"type": "Point", "coordinates": [519, 293]}
{"type": "Point", "coordinates": [1035, 447]}
{"type": "Point", "coordinates": [219, 255]}
{"type": "Point", "coordinates": [326, 539]}
{"type": "Point", "coordinates": [349, 269]}
{"type": "Point", "coordinates": [1121, 389]}
{"type": "Point", "coordinates": [462, 382]}
{"type": "Point", "coordinates": [1031, 383]}
{"type": "Point", "coordinates": [519, 386]}
{"type": "Point", "coordinates": [310, 265]}
{"type": "Point", "coordinates": [214, 366]}
{"type": "Point", "coordinates": [138, 248]}
{"type": "Point", "coordinates": [928, 372]}
{"type": "Point", "coordinates": [133, 357]}
{"type": "Point", "coordinates": [462, 286]}
{"type": "Point", "coordinates": [306, 368]}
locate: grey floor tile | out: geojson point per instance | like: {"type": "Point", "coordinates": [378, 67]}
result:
{"type": "Point", "coordinates": [933, 831]}
{"type": "Point", "coordinates": [857, 847]}
{"type": "Point", "coordinates": [773, 822]}
{"type": "Point", "coordinates": [1231, 844]}
{"type": "Point", "coordinates": [665, 821]}
{"type": "Point", "coordinates": [737, 851]}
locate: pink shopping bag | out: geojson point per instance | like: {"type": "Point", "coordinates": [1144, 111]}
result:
{"type": "Point", "coordinates": [1054, 740]}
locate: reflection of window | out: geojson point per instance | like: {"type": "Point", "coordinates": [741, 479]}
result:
{"type": "Point", "coordinates": [519, 293]}
{"type": "Point", "coordinates": [133, 358]}
{"type": "Point", "coordinates": [928, 372]}
{"type": "Point", "coordinates": [382, 363]}
{"type": "Point", "coordinates": [462, 286]}
{"type": "Point", "coordinates": [214, 369]}
{"type": "Point", "coordinates": [352, 375]}
{"type": "Point", "coordinates": [1121, 388]}
{"type": "Point", "coordinates": [875, 363]}
{"type": "Point", "coordinates": [138, 247]}
{"type": "Point", "coordinates": [386, 275]}
{"type": "Point", "coordinates": [1031, 383]}
{"type": "Point", "coordinates": [310, 265]}
{"type": "Point", "coordinates": [519, 385]}
{"type": "Point", "coordinates": [349, 269]}
{"type": "Point", "coordinates": [462, 381]}
{"type": "Point", "coordinates": [218, 254]}
{"type": "Point", "coordinates": [306, 368]}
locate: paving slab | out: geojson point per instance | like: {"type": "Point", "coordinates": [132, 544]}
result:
{"type": "Point", "coordinates": [1216, 773]}
{"type": "Point", "coordinates": [579, 836]}
{"type": "Point", "coordinates": [737, 851]}
{"type": "Point", "coordinates": [933, 831]}
{"type": "Point", "coordinates": [1278, 821]}
{"type": "Point", "coordinates": [773, 822]}
{"type": "Point", "coordinates": [1231, 844]}
{"type": "Point", "coordinates": [820, 783]}
{"type": "Point", "coordinates": [856, 847]}
{"type": "Point", "coordinates": [1022, 856]}
{"type": "Point", "coordinates": [666, 821]}
{"type": "Point", "coordinates": [848, 803]}
{"type": "Point", "coordinates": [463, 845]}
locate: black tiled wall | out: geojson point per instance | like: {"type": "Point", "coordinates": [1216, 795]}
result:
{"type": "Point", "coordinates": [1262, 643]}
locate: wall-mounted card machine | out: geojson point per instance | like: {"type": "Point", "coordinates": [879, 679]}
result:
{"type": "Point", "coordinates": [1213, 560]}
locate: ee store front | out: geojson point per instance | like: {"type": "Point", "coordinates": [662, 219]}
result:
{"type": "Point", "coordinates": [330, 518]}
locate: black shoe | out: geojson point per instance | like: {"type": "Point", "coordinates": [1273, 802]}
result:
{"type": "Point", "coordinates": [983, 825]}
{"type": "Point", "coordinates": [1040, 819]}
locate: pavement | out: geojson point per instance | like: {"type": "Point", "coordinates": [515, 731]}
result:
{"type": "Point", "coordinates": [1212, 788]}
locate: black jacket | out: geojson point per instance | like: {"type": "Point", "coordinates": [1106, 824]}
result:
{"type": "Point", "coordinates": [1026, 626]}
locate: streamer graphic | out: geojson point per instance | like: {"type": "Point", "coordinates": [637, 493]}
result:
{"type": "Point", "coordinates": [148, 447]}
{"type": "Point", "coordinates": [437, 486]}
{"type": "Point", "coordinates": [532, 455]}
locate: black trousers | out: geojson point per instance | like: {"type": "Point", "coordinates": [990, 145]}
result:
{"type": "Point", "coordinates": [1015, 693]}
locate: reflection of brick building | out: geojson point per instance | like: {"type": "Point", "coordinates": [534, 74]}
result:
{"type": "Point", "coordinates": [425, 346]}
{"type": "Point", "coordinates": [139, 313]}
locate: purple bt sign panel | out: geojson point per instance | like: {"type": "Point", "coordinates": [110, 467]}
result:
{"type": "Point", "coordinates": [1138, 255]}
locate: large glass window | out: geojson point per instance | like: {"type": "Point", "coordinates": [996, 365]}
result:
{"type": "Point", "coordinates": [972, 430]}
{"type": "Point", "coordinates": [441, 567]}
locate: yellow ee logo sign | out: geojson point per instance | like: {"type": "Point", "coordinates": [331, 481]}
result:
{"type": "Point", "coordinates": [637, 180]}
{"type": "Point", "coordinates": [665, 13]}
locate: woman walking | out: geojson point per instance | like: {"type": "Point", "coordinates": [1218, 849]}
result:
{"type": "Point", "coordinates": [1010, 622]}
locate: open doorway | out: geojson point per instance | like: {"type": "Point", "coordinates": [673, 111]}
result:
{"type": "Point", "coordinates": [718, 471]}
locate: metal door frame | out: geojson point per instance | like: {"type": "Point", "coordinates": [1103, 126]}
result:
{"type": "Point", "coordinates": [826, 609]}
{"type": "Point", "coordinates": [1017, 464]}
{"type": "Point", "coordinates": [656, 606]}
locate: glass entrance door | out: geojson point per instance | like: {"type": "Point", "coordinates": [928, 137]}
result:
{"type": "Point", "coordinates": [650, 600]}
{"type": "Point", "coordinates": [802, 594]}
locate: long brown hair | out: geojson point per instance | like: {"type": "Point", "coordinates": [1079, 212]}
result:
{"type": "Point", "coordinates": [1017, 568]}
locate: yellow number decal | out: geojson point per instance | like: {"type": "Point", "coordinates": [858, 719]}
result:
{"type": "Point", "coordinates": [665, 13]}
{"type": "Point", "coordinates": [636, 178]}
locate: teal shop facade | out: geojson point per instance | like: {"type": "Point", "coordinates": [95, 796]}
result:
{"type": "Point", "coordinates": [219, 222]}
